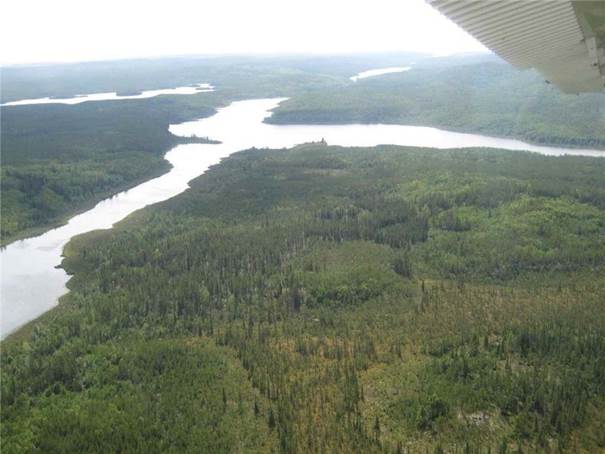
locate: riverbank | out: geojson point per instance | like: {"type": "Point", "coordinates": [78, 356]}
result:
{"type": "Point", "coordinates": [31, 265]}
{"type": "Point", "coordinates": [59, 160]}
{"type": "Point", "coordinates": [490, 98]}
{"type": "Point", "coordinates": [161, 168]}
{"type": "Point", "coordinates": [415, 287]}
{"type": "Point", "coordinates": [284, 119]}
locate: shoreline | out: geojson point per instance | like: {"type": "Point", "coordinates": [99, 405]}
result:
{"type": "Point", "coordinates": [179, 140]}
{"type": "Point", "coordinates": [443, 128]}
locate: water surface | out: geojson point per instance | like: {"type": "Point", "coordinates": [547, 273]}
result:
{"type": "Point", "coordinates": [379, 72]}
{"type": "Point", "coordinates": [111, 96]}
{"type": "Point", "coordinates": [30, 283]}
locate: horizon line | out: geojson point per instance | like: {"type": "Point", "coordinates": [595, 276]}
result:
{"type": "Point", "coordinates": [242, 54]}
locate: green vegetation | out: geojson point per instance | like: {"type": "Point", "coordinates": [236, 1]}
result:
{"type": "Point", "coordinates": [134, 76]}
{"type": "Point", "coordinates": [319, 299]}
{"type": "Point", "coordinates": [59, 159]}
{"type": "Point", "coordinates": [327, 299]}
{"type": "Point", "coordinates": [488, 97]}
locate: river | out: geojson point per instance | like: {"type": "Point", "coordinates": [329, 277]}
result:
{"type": "Point", "coordinates": [31, 283]}
{"type": "Point", "coordinates": [113, 96]}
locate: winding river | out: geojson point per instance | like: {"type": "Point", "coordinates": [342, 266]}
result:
{"type": "Point", "coordinates": [31, 283]}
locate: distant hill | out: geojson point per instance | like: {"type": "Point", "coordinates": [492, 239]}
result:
{"type": "Point", "coordinates": [58, 159]}
{"type": "Point", "coordinates": [479, 94]}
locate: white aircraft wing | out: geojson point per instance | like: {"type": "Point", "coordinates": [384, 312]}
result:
{"type": "Point", "coordinates": [563, 39]}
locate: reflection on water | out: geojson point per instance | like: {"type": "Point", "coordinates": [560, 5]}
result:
{"type": "Point", "coordinates": [31, 284]}
{"type": "Point", "coordinates": [111, 96]}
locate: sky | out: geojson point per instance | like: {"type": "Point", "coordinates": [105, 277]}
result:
{"type": "Point", "coordinates": [36, 31]}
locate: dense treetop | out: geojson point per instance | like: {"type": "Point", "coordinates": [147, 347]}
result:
{"type": "Point", "coordinates": [59, 159]}
{"type": "Point", "coordinates": [331, 299]}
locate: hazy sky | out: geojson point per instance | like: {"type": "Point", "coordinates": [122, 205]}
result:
{"type": "Point", "coordinates": [74, 30]}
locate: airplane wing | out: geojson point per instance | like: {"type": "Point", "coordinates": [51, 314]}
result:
{"type": "Point", "coordinates": [563, 39]}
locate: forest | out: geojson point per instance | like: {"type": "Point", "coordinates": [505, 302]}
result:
{"type": "Point", "coordinates": [329, 299]}
{"type": "Point", "coordinates": [485, 96]}
{"type": "Point", "coordinates": [62, 159]}
{"type": "Point", "coordinates": [59, 159]}
{"type": "Point", "coordinates": [134, 76]}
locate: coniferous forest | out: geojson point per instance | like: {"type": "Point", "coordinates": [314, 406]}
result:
{"type": "Point", "coordinates": [61, 159]}
{"type": "Point", "coordinates": [328, 299]}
